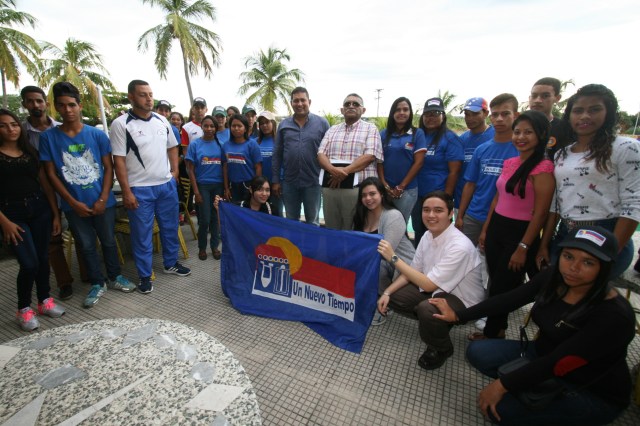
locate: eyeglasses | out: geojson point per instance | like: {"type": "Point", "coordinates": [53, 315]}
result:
{"type": "Point", "coordinates": [432, 113]}
{"type": "Point", "coordinates": [351, 104]}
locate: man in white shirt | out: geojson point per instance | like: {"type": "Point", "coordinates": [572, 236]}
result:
{"type": "Point", "coordinates": [447, 266]}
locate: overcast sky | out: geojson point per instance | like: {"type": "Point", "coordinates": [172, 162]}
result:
{"type": "Point", "coordinates": [410, 48]}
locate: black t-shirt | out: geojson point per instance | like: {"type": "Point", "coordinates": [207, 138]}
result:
{"type": "Point", "coordinates": [267, 208]}
{"type": "Point", "coordinates": [18, 176]}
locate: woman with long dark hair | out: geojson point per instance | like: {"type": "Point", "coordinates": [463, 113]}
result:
{"type": "Point", "coordinates": [267, 136]}
{"type": "Point", "coordinates": [442, 161]}
{"type": "Point", "coordinates": [257, 198]}
{"type": "Point", "coordinates": [375, 214]}
{"type": "Point", "coordinates": [204, 165]}
{"type": "Point", "coordinates": [585, 328]}
{"type": "Point", "coordinates": [404, 147]}
{"type": "Point", "coordinates": [28, 217]}
{"type": "Point", "coordinates": [597, 177]}
{"type": "Point", "coordinates": [510, 236]}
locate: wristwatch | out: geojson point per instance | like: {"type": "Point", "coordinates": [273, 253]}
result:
{"type": "Point", "coordinates": [394, 259]}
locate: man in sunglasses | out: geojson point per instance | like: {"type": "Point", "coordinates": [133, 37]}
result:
{"type": "Point", "coordinates": [347, 154]}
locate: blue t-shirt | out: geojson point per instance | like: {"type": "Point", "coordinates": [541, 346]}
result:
{"type": "Point", "coordinates": [435, 169]}
{"type": "Point", "coordinates": [484, 169]}
{"type": "Point", "coordinates": [206, 157]}
{"type": "Point", "coordinates": [470, 141]}
{"type": "Point", "coordinates": [266, 149]}
{"type": "Point", "coordinates": [223, 136]}
{"type": "Point", "coordinates": [241, 159]}
{"type": "Point", "coordinates": [398, 155]}
{"type": "Point", "coordinates": [176, 132]}
{"type": "Point", "coordinates": [78, 162]}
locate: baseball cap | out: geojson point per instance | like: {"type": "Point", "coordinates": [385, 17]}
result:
{"type": "Point", "coordinates": [219, 110]}
{"type": "Point", "coordinates": [433, 104]}
{"type": "Point", "coordinates": [247, 108]}
{"type": "Point", "coordinates": [164, 104]}
{"type": "Point", "coordinates": [268, 115]}
{"type": "Point", "coordinates": [595, 240]}
{"type": "Point", "coordinates": [199, 101]}
{"type": "Point", "coordinates": [476, 105]}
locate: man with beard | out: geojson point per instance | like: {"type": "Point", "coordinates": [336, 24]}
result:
{"type": "Point", "coordinates": [34, 100]}
{"type": "Point", "coordinates": [145, 156]}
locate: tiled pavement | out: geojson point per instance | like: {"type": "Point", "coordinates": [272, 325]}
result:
{"type": "Point", "coordinates": [299, 378]}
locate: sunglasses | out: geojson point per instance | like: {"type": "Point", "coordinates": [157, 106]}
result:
{"type": "Point", "coordinates": [432, 113]}
{"type": "Point", "coordinates": [351, 104]}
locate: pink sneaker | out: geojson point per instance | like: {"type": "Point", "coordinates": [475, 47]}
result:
{"type": "Point", "coordinates": [27, 319]}
{"type": "Point", "coordinates": [49, 308]}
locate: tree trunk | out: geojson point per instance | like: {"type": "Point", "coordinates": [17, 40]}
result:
{"type": "Point", "coordinates": [5, 98]}
{"type": "Point", "coordinates": [186, 75]}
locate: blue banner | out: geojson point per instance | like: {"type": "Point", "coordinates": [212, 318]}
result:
{"type": "Point", "coordinates": [284, 269]}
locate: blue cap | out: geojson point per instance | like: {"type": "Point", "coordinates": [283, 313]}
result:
{"type": "Point", "coordinates": [476, 105]}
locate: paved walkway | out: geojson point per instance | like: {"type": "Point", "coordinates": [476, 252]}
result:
{"type": "Point", "coordinates": [299, 378]}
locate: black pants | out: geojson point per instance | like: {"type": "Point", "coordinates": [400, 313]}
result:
{"type": "Point", "coordinates": [503, 236]}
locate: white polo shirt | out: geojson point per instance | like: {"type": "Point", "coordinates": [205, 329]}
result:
{"type": "Point", "coordinates": [144, 143]}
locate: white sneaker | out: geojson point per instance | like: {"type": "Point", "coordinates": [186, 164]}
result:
{"type": "Point", "coordinates": [27, 319]}
{"type": "Point", "coordinates": [481, 323]}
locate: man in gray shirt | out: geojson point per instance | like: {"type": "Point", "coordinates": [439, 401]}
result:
{"type": "Point", "coordinates": [296, 151]}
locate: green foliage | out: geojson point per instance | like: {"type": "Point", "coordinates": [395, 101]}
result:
{"type": "Point", "coordinates": [333, 119]}
{"type": "Point", "coordinates": [14, 104]}
{"type": "Point", "coordinates": [200, 46]}
{"type": "Point", "coordinates": [380, 122]}
{"type": "Point", "coordinates": [80, 64]}
{"type": "Point", "coordinates": [16, 47]}
{"type": "Point", "coordinates": [269, 78]}
{"type": "Point", "coordinates": [627, 123]}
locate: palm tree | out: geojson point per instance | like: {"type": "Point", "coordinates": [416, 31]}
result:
{"type": "Point", "coordinates": [199, 46]}
{"type": "Point", "coordinates": [269, 77]}
{"type": "Point", "coordinates": [16, 47]}
{"type": "Point", "coordinates": [81, 65]}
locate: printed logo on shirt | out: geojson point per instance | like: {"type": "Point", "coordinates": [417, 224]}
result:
{"type": "Point", "coordinates": [593, 188]}
{"type": "Point", "coordinates": [582, 209]}
{"type": "Point", "coordinates": [492, 167]}
{"type": "Point", "coordinates": [76, 148]}
{"type": "Point", "coordinates": [567, 182]}
{"type": "Point", "coordinates": [81, 170]}
{"type": "Point", "coordinates": [206, 161]}
{"type": "Point", "coordinates": [584, 171]}
{"type": "Point", "coordinates": [266, 154]}
{"type": "Point", "coordinates": [431, 151]}
{"type": "Point", "coordinates": [635, 164]}
{"type": "Point", "coordinates": [236, 158]}
{"type": "Point", "coordinates": [409, 146]}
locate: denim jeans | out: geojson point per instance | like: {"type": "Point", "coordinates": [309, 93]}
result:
{"type": "Point", "coordinates": [208, 216]}
{"type": "Point", "coordinates": [309, 197]}
{"type": "Point", "coordinates": [33, 215]}
{"type": "Point", "coordinates": [578, 407]}
{"type": "Point", "coordinates": [406, 203]}
{"type": "Point", "coordinates": [85, 230]}
{"type": "Point", "coordinates": [161, 202]}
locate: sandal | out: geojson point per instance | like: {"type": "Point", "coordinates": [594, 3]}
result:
{"type": "Point", "coordinates": [202, 255]}
{"type": "Point", "coordinates": [217, 254]}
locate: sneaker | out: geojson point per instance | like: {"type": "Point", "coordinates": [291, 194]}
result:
{"type": "Point", "coordinates": [65, 293]}
{"type": "Point", "coordinates": [122, 284]}
{"type": "Point", "coordinates": [481, 323]}
{"type": "Point", "coordinates": [49, 308]}
{"type": "Point", "coordinates": [145, 286]}
{"type": "Point", "coordinates": [378, 319]}
{"type": "Point", "coordinates": [92, 298]}
{"type": "Point", "coordinates": [27, 319]}
{"type": "Point", "coordinates": [178, 269]}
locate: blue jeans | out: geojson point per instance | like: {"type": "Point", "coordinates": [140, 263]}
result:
{"type": "Point", "coordinates": [406, 202]}
{"type": "Point", "coordinates": [622, 261]}
{"type": "Point", "coordinates": [579, 407]}
{"type": "Point", "coordinates": [208, 216]}
{"type": "Point", "coordinates": [33, 215]}
{"type": "Point", "coordinates": [85, 230]}
{"type": "Point", "coordinates": [309, 197]}
{"type": "Point", "coordinates": [160, 201]}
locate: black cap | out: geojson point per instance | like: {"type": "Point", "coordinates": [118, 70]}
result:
{"type": "Point", "coordinates": [433, 104]}
{"type": "Point", "coordinates": [595, 240]}
{"type": "Point", "coordinates": [199, 101]}
{"type": "Point", "coordinates": [164, 104]}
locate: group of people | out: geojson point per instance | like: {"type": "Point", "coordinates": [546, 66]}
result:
{"type": "Point", "coordinates": [552, 199]}
{"type": "Point", "coordinates": [66, 169]}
